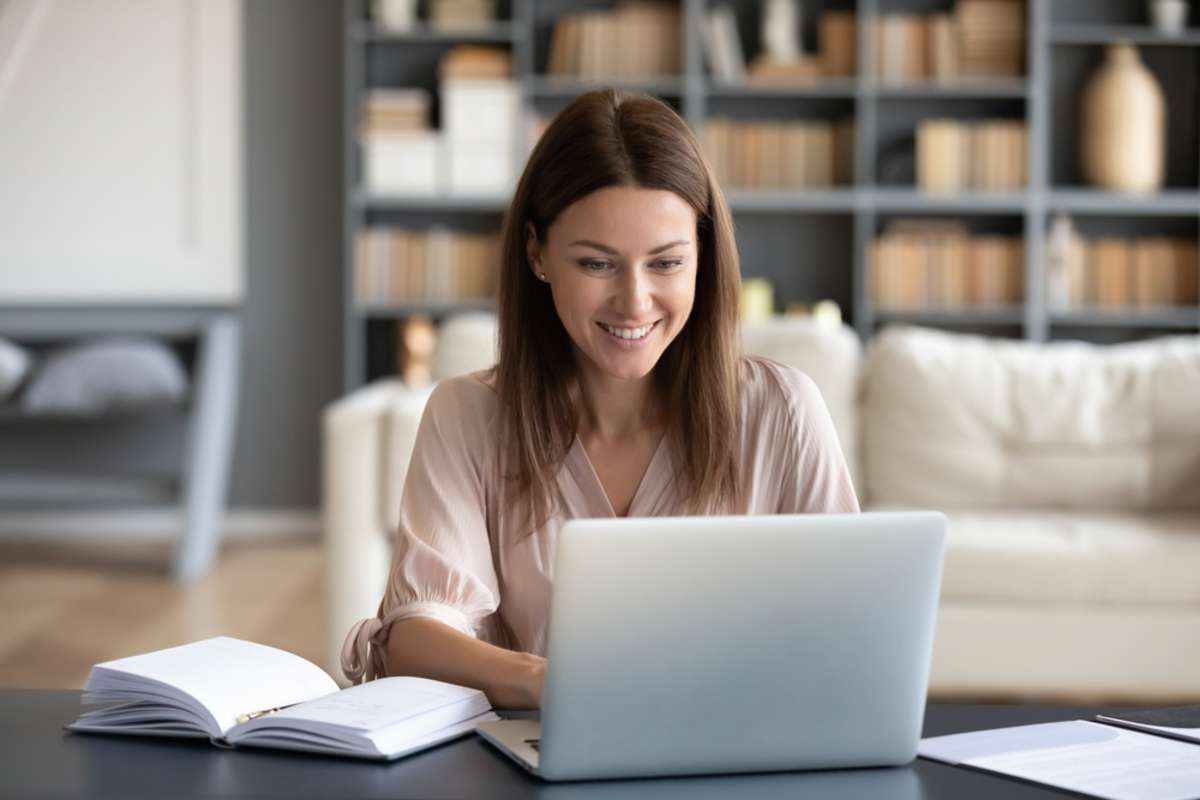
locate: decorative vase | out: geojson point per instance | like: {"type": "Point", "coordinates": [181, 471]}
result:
{"type": "Point", "coordinates": [1123, 124]}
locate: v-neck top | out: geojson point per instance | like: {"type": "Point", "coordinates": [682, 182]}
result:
{"type": "Point", "coordinates": [460, 553]}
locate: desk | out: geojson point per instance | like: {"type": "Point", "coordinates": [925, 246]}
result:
{"type": "Point", "coordinates": [39, 759]}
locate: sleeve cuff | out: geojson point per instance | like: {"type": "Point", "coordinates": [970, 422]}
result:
{"type": "Point", "coordinates": [442, 612]}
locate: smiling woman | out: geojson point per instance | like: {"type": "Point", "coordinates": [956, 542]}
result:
{"type": "Point", "coordinates": [620, 390]}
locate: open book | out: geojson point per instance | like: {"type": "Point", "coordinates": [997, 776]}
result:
{"type": "Point", "coordinates": [235, 693]}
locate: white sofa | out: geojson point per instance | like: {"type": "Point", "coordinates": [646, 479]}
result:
{"type": "Point", "coordinates": [1070, 474]}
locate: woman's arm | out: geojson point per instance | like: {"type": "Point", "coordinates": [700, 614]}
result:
{"type": "Point", "coordinates": [427, 648]}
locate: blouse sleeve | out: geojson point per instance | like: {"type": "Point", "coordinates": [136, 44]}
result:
{"type": "Point", "coordinates": [816, 478]}
{"type": "Point", "coordinates": [442, 561]}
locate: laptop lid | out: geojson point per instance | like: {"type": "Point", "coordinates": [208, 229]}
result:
{"type": "Point", "coordinates": [693, 645]}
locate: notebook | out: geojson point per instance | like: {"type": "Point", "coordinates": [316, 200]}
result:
{"type": "Point", "coordinates": [239, 693]}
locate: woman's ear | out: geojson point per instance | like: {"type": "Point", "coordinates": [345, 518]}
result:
{"type": "Point", "coordinates": [532, 249]}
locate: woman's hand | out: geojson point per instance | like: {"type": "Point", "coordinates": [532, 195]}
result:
{"type": "Point", "coordinates": [428, 648]}
{"type": "Point", "coordinates": [533, 680]}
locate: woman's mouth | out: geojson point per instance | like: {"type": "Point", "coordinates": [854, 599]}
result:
{"type": "Point", "coordinates": [629, 337]}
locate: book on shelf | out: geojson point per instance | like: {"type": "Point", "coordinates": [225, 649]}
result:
{"type": "Point", "coordinates": [1114, 273]}
{"type": "Point", "coordinates": [462, 15]}
{"type": "Point", "coordinates": [780, 154]}
{"type": "Point", "coordinates": [956, 155]}
{"type": "Point", "coordinates": [394, 266]}
{"type": "Point", "coordinates": [480, 62]}
{"type": "Point", "coordinates": [837, 43]}
{"type": "Point", "coordinates": [978, 39]}
{"type": "Point", "coordinates": [938, 264]}
{"type": "Point", "coordinates": [766, 71]}
{"type": "Point", "coordinates": [237, 693]}
{"type": "Point", "coordinates": [398, 110]}
{"type": "Point", "coordinates": [638, 40]}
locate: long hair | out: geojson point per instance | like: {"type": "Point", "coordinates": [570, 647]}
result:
{"type": "Point", "coordinates": [608, 138]}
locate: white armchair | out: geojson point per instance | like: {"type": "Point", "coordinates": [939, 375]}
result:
{"type": "Point", "coordinates": [368, 441]}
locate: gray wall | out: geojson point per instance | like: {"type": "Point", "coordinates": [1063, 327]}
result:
{"type": "Point", "coordinates": [291, 323]}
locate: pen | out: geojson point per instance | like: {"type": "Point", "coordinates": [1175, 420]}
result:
{"type": "Point", "coordinates": [256, 714]}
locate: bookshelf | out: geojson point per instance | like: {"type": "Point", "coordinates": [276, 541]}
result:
{"type": "Point", "coordinates": [833, 226]}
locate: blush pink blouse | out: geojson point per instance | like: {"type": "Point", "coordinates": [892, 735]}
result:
{"type": "Point", "coordinates": [460, 556]}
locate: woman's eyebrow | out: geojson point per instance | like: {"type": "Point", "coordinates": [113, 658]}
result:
{"type": "Point", "coordinates": [611, 251]}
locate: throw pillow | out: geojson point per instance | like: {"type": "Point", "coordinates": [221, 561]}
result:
{"type": "Point", "coordinates": [14, 366]}
{"type": "Point", "coordinates": [107, 375]}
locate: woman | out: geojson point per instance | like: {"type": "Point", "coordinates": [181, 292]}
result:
{"type": "Point", "coordinates": [620, 390]}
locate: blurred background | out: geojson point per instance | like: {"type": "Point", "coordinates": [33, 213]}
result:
{"type": "Point", "coordinates": [240, 242]}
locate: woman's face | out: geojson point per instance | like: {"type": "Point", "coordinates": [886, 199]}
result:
{"type": "Point", "coordinates": [621, 266]}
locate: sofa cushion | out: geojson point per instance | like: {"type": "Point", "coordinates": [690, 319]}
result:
{"type": "Point", "coordinates": [1040, 557]}
{"type": "Point", "coordinates": [958, 421]}
{"type": "Point", "coordinates": [830, 354]}
{"type": "Point", "coordinates": [465, 343]}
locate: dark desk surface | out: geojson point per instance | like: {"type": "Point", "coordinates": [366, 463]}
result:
{"type": "Point", "coordinates": [39, 759]}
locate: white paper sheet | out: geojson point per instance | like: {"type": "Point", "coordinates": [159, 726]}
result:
{"type": "Point", "coordinates": [1086, 757]}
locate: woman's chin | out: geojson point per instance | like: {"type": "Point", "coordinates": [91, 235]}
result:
{"type": "Point", "coordinates": [629, 367]}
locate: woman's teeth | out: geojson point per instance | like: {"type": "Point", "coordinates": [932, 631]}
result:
{"type": "Point", "coordinates": [628, 333]}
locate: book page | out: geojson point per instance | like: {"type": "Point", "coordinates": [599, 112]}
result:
{"type": "Point", "coordinates": [379, 703]}
{"type": "Point", "coordinates": [230, 676]}
{"type": "Point", "coordinates": [1084, 757]}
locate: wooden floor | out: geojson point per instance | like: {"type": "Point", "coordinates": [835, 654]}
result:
{"type": "Point", "coordinates": [65, 608]}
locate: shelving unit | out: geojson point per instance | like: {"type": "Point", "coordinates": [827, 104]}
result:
{"type": "Point", "coordinates": [835, 227]}
{"type": "Point", "coordinates": [194, 479]}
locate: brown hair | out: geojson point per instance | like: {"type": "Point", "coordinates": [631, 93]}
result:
{"type": "Point", "coordinates": [615, 138]}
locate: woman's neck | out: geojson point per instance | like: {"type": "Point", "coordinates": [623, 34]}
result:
{"type": "Point", "coordinates": [614, 409]}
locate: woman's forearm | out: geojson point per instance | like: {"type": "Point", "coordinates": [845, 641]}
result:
{"type": "Point", "coordinates": [427, 648]}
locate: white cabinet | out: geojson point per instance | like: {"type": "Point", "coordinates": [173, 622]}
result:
{"type": "Point", "coordinates": [121, 152]}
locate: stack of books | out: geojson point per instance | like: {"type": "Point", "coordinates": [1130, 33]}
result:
{"type": "Point", "coordinates": [1147, 272]}
{"type": "Point", "coordinates": [636, 41]}
{"type": "Point", "coordinates": [837, 55]}
{"type": "Point", "coordinates": [774, 154]}
{"type": "Point", "coordinates": [987, 155]}
{"type": "Point", "coordinates": [924, 264]}
{"type": "Point", "coordinates": [400, 148]}
{"type": "Point", "coordinates": [395, 265]}
{"type": "Point", "coordinates": [979, 39]}
{"type": "Point", "coordinates": [991, 37]}
{"type": "Point", "coordinates": [480, 111]}
{"type": "Point", "coordinates": [395, 111]}
{"type": "Point", "coordinates": [475, 151]}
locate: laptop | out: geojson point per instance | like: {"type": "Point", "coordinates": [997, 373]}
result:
{"type": "Point", "coordinates": [704, 645]}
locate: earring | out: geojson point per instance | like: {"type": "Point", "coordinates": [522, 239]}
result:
{"type": "Point", "coordinates": [542, 275]}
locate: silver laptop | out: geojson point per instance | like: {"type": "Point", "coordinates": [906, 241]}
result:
{"type": "Point", "coordinates": [701, 645]}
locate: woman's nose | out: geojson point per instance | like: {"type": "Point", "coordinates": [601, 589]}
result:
{"type": "Point", "coordinates": [634, 295]}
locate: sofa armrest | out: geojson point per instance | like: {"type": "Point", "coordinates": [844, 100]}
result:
{"type": "Point", "coordinates": [358, 466]}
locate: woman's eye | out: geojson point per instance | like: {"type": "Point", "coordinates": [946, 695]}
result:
{"type": "Point", "coordinates": [594, 266]}
{"type": "Point", "coordinates": [668, 264]}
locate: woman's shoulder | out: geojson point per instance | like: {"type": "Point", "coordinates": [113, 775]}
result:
{"type": "Point", "coordinates": [470, 399]}
{"type": "Point", "coordinates": [771, 387]}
